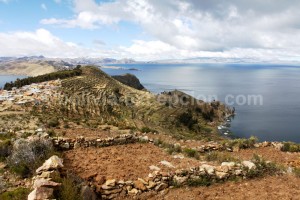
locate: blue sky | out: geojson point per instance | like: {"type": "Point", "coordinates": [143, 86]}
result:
{"type": "Point", "coordinates": [264, 31]}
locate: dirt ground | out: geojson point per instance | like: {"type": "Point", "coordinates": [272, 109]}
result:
{"type": "Point", "coordinates": [269, 153]}
{"type": "Point", "coordinates": [273, 188]}
{"type": "Point", "coordinates": [123, 162]}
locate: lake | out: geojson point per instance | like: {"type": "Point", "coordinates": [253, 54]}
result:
{"type": "Point", "coordinates": [8, 78]}
{"type": "Point", "coordinates": [276, 118]}
{"type": "Point", "coordinates": [266, 97]}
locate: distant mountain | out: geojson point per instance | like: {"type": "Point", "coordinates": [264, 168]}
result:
{"type": "Point", "coordinates": [38, 65]}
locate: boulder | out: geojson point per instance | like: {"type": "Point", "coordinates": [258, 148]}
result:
{"type": "Point", "coordinates": [221, 175]}
{"type": "Point", "coordinates": [154, 168]}
{"type": "Point", "coordinates": [52, 163]}
{"type": "Point", "coordinates": [110, 182]}
{"type": "Point", "coordinates": [87, 193]}
{"type": "Point", "coordinates": [180, 180]}
{"type": "Point", "coordinates": [41, 182]}
{"type": "Point", "coordinates": [41, 193]}
{"type": "Point", "coordinates": [161, 187]}
{"type": "Point", "coordinates": [139, 185]}
{"type": "Point", "coordinates": [250, 165]}
{"type": "Point", "coordinates": [208, 168]}
{"type": "Point", "coordinates": [134, 191]}
{"type": "Point", "coordinates": [230, 165]}
{"type": "Point", "coordinates": [167, 164]}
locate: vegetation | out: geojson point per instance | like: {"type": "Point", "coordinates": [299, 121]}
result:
{"type": "Point", "coordinates": [5, 149]}
{"type": "Point", "coordinates": [219, 157]}
{"type": "Point", "coordinates": [42, 78]}
{"type": "Point", "coordinates": [242, 143]}
{"type": "Point", "coordinates": [17, 194]}
{"type": "Point", "coordinates": [263, 168]}
{"type": "Point", "coordinates": [290, 147]}
{"type": "Point", "coordinates": [191, 153]}
{"type": "Point", "coordinates": [69, 189]}
{"type": "Point", "coordinates": [148, 130]}
{"type": "Point", "coordinates": [202, 181]}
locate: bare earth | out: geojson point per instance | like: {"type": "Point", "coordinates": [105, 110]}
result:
{"type": "Point", "coordinates": [281, 187]}
{"type": "Point", "coordinates": [123, 162]}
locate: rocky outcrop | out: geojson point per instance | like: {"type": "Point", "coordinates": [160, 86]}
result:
{"type": "Point", "coordinates": [130, 80]}
{"type": "Point", "coordinates": [43, 186]}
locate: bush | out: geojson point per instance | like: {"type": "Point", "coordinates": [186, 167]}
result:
{"type": "Point", "coordinates": [290, 147]}
{"type": "Point", "coordinates": [191, 153]}
{"type": "Point", "coordinates": [297, 172]}
{"type": "Point", "coordinates": [52, 123]}
{"type": "Point", "coordinates": [262, 168]}
{"type": "Point", "coordinates": [5, 149]}
{"type": "Point", "coordinates": [202, 181]}
{"type": "Point", "coordinates": [219, 157]}
{"type": "Point", "coordinates": [17, 194]}
{"type": "Point", "coordinates": [148, 130]}
{"type": "Point", "coordinates": [69, 189]}
{"type": "Point", "coordinates": [28, 155]}
{"type": "Point", "coordinates": [242, 143]}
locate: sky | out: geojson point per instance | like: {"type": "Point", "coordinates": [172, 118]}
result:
{"type": "Point", "coordinates": [263, 30]}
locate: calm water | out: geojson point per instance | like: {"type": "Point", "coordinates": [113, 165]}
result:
{"type": "Point", "coordinates": [277, 119]}
{"type": "Point", "coordinates": [7, 78]}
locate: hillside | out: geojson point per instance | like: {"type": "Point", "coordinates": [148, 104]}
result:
{"type": "Point", "coordinates": [96, 95]}
{"type": "Point", "coordinates": [31, 66]}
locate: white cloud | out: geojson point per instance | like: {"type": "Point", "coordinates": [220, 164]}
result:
{"type": "Point", "coordinates": [198, 27]}
{"type": "Point", "coordinates": [42, 42]}
{"type": "Point", "coordinates": [57, 1]}
{"type": "Point", "coordinates": [44, 7]}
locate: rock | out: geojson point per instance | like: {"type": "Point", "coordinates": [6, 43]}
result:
{"type": "Point", "coordinates": [41, 182]}
{"type": "Point", "coordinates": [144, 139]}
{"type": "Point", "coordinates": [52, 163]}
{"type": "Point", "coordinates": [76, 145]}
{"type": "Point", "coordinates": [143, 181]}
{"type": "Point", "coordinates": [133, 192]}
{"type": "Point", "coordinates": [180, 156]}
{"type": "Point", "coordinates": [114, 191]}
{"type": "Point", "coordinates": [110, 182]}
{"type": "Point", "coordinates": [161, 187]}
{"type": "Point", "coordinates": [209, 169]}
{"type": "Point", "coordinates": [41, 193]}
{"type": "Point", "coordinates": [238, 172]}
{"type": "Point", "coordinates": [167, 164]}
{"type": "Point", "coordinates": [50, 175]}
{"type": "Point", "coordinates": [65, 145]}
{"type": "Point", "coordinates": [130, 80]}
{"type": "Point", "coordinates": [139, 185]}
{"type": "Point", "coordinates": [87, 193]}
{"type": "Point", "coordinates": [221, 175]}
{"type": "Point", "coordinates": [180, 180]}
{"type": "Point", "coordinates": [154, 168]}
{"type": "Point", "coordinates": [278, 145]}
{"type": "Point", "coordinates": [100, 179]}
{"type": "Point", "coordinates": [250, 165]}
{"type": "Point", "coordinates": [151, 185]}
{"type": "Point", "coordinates": [265, 144]}
{"type": "Point", "coordinates": [230, 165]}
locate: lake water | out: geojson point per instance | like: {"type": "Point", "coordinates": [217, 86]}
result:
{"type": "Point", "coordinates": [275, 116]}
{"type": "Point", "coordinates": [8, 78]}
{"type": "Point", "coordinates": [277, 119]}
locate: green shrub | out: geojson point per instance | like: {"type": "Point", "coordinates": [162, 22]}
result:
{"type": "Point", "coordinates": [69, 189]}
{"type": "Point", "coordinates": [5, 149]}
{"type": "Point", "coordinates": [219, 157]}
{"type": "Point", "coordinates": [52, 123]}
{"type": "Point", "coordinates": [191, 153]}
{"type": "Point", "coordinates": [242, 143]}
{"type": "Point", "coordinates": [296, 171]}
{"type": "Point", "coordinates": [17, 194]}
{"type": "Point", "coordinates": [202, 181]}
{"type": "Point", "coordinates": [290, 147]}
{"type": "Point", "coordinates": [262, 168]}
{"type": "Point", "coordinates": [148, 130]}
